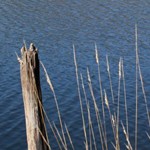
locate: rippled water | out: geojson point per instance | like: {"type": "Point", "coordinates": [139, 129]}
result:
{"type": "Point", "coordinates": [54, 26]}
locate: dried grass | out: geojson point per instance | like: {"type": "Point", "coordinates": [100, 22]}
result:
{"type": "Point", "coordinates": [90, 141]}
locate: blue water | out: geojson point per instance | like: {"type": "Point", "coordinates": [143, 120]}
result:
{"type": "Point", "coordinates": [54, 26]}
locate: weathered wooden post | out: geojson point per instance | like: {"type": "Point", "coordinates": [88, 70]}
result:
{"type": "Point", "coordinates": [30, 80]}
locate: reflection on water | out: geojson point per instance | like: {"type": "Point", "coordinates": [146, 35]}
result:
{"type": "Point", "coordinates": [54, 26]}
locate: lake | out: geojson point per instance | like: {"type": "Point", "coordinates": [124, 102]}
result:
{"type": "Point", "coordinates": [54, 27]}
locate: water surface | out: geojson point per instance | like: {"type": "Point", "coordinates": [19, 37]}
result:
{"type": "Point", "coordinates": [54, 26]}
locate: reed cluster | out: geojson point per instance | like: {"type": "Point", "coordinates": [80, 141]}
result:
{"type": "Point", "coordinates": [107, 111]}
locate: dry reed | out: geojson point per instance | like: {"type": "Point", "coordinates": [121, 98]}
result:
{"type": "Point", "coordinates": [90, 141]}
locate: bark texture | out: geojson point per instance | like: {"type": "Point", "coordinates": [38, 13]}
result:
{"type": "Point", "coordinates": [32, 98]}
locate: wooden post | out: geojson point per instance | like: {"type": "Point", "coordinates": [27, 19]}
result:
{"type": "Point", "coordinates": [32, 98]}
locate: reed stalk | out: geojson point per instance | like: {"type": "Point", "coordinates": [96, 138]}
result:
{"type": "Point", "coordinates": [79, 94]}
{"type": "Point", "coordinates": [61, 139]}
{"type": "Point", "coordinates": [118, 109]}
{"type": "Point", "coordinates": [56, 102]}
{"type": "Point", "coordinates": [110, 81]}
{"type": "Point", "coordinates": [148, 135]}
{"type": "Point", "coordinates": [136, 86]}
{"type": "Point", "coordinates": [128, 146]}
{"type": "Point", "coordinates": [125, 99]}
{"type": "Point", "coordinates": [110, 114]}
{"type": "Point", "coordinates": [98, 117]}
{"type": "Point", "coordinates": [91, 130]}
{"type": "Point", "coordinates": [101, 94]}
{"type": "Point", "coordinates": [143, 90]}
{"type": "Point", "coordinates": [70, 140]}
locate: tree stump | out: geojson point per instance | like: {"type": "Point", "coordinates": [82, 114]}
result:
{"type": "Point", "coordinates": [30, 81]}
